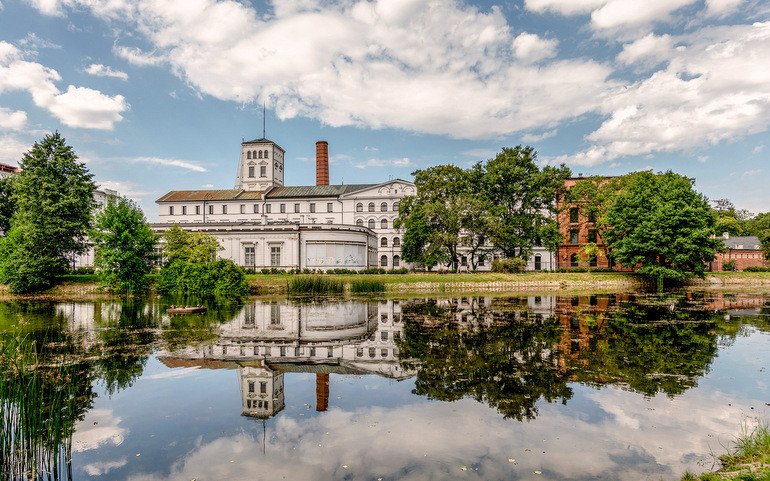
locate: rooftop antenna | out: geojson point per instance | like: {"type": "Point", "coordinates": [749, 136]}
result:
{"type": "Point", "coordinates": [264, 117]}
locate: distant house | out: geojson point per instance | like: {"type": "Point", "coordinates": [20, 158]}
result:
{"type": "Point", "coordinates": [744, 251]}
{"type": "Point", "coordinates": [8, 170]}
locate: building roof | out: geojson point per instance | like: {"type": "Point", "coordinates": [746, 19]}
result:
{"type": "Point", "coordinates": [262, 140]}
{"type": "Point", "coordinates": [315, 190]}
{"type": "Point", "coordinates": [209, 195]}
{"type": "Point", "coordinates": [9, 168]}
{"type": "Point", "coordinates": [743, 243]}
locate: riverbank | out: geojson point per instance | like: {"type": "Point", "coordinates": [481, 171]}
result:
{"type": "Point", "coordinates": [86, 287]}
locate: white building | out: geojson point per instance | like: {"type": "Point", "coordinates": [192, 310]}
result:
{"type": "Point", "coordinates": [262, 223]}
{"type": "Point", "coordinates": [8, 170]}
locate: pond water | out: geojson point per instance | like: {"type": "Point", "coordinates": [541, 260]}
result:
{"type": "Point", "coordinates": [542, 387]}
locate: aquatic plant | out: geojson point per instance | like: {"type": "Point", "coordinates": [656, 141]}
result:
{"type": "Point", "coordinates": [367, 285]}
{"type": "Point", "coordinates": [315, 285]}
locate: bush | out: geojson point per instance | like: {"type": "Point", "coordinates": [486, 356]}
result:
{"type": "Point", "coordinates": [757, 269]}
{"type": "Point", "coordinates": [402, 270]}
{"type": "Point", "coordinates": [729, 266]}
{"type": "Point", "coordinates": [220, 277]}
{"type": "Point", "coordinates": [510, 265]}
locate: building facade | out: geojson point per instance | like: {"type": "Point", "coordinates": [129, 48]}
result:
{"type": "Point", "coordinates": [740, 252]}
{"type": "Point", "coordinates": [8, 170]}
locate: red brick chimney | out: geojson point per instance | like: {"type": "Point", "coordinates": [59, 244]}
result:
{"type": "Point", "coordinates": [322, 163]}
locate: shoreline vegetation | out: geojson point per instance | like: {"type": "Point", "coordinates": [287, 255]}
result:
{"type": "Point", "coordinates": [76, 287]}
{"type": "Point", "coordinates": [748, 460]}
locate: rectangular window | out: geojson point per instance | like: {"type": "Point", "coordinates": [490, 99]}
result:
{"type": "Point", "coordinates": [283, 208]}
{"type": "Point", "coordinates": [250, 314]}
{"type": "Point", "coordinates": [573, 214]}
{"type": "Point", "coordinates": [251, 386]}
{"type": "Point", "coordinates": [263, 171]}
{"type": "Point", "coordinates": [592, 235]}
{"type": "Point", "coordinates": [184, 210]}
{"type": "Point", "coordinates": [592, 216]}
{"type": "Point", "coordinates": [283, 351]}
{"type": "Point", "coordinates": [384, 335]}
{"type": "Point", "coordinates": [329, 207]}
{"type": "Point", "coordinates": [249, 256]}
{"type": "Point", "coordinates": [197, 210]}
{"type": "Point", "coordinates": [312, 207]}
{"type": "Point", "coordinates": [268, 208]}
{"type": "Point", "coordinates": [171, 210]}
{"type": "Point", "coordinates": [573, 236]}
{"type": "Point", "coordinates": [296, 208]}
{"type": "Point", "coordinates": [243, 208]}
{"type": "Point", "coordinates": [275, 255]}
{"type": "Point", "coordinates": [251, 171]}
{"type": "Point", "coordinates": [256, 208]}
{"type": "Point", "coordinates": [262, 387]}
{"type": "Point", "coordinates": [224, 209]}
{"type": "Point", "coordinates": [312, 352]}
{"type": "Point", "coordinates": [275, 314]}
{"type": "Point", "coordinates": [211, 209]}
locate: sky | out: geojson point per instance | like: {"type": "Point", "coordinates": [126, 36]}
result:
{"type": "Point", "coordinates": [156, 95]}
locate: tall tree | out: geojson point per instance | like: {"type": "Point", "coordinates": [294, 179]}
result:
{"type": "Point", "coordinates": [54, 199]}
{"type": "Point", "coordinates": [125, 246]}
{"type": "Point", "coordinates": [660, 225]}
{"type": "Point", "coordinates": [7, 205]}
{"type": "Point", "coordinates": [522, 200]}
{"type": "Point", "coordinates": [182, 245]}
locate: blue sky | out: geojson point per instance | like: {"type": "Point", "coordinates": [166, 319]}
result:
{"type": "Point", "coordinates": [156, 95]}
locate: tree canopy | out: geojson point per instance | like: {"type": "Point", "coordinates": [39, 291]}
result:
{"type": "Point", "coordinates": [124, 246]}
{"type": "Point", "coordinates": [659, 225]}
{"type": "Point", "coordinates": [53, 198]}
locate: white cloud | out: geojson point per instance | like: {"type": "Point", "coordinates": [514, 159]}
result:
{"type": "Point", "coordinates": [398, 163]}
{"type": "Point", "coordinates": [100, 70]}
{"type": "Point", "coordinates": [33, 43]}
{"type": "Point", "coordinates": [52, 8]}
{"type": "Point", "coordinates": [758, 149]}
{"type": "Point", "coordinates": [649, 50]}
{"type": "Point", "coordinates": [12, 149]}
{"type": "Point", "coordinates": [712, 90]}
{"type": "Point", "coordinates": [99, 427]}
{"type": "Point", "coordinates": [480, 153]}
{"type": "Point", "coordinates": [370, 64]}
{"type": "Point", "coordinates": [126, 189]}
{"type": "Point", "coordinates": [12, 119]}
{"type": "Point", "coordinates": [103, 467]}
{"type": "Point", "coordinates": [530, 48]}
{"type": "Point", "coordinates": [183, 164]}
{"type": "Point", "coordinates": [564, 7]}
{"type": "Point", "coordinates": [136, 56]}
{"type": "Point", "coordinates": [78, 107]}
{"type": "Point", "coordinates": [721, 8]}
{"type": "Point", "coordinates": [539, 137]}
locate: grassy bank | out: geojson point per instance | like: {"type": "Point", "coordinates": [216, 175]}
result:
{"type": "Point", "coordinates": [749, 460]}
{"type": "Point", "coordinates": [85, 287]}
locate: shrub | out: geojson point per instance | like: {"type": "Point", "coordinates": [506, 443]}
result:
{"type": "Point", "coordinates": [83, 271]}
{"type": "Point", "coordinates": [402, 270]}
{"type": "Point", "coordinates": [509, 265]}
{"type": "Point", "coordinates": [757, 269]}
{"type": "Point", "coordinates": [729, 266]}
{"type": "Point", "coordinates": [220, 277]}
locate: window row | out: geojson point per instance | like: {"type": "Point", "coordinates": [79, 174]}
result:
{"type": "Point", "coordinates": [396, 261]}
{"type": "Point", "coordinates": [574, 215]}
{"type": "Point", "coordinates": [282, 208]}
{"type": "Point", "coordinates": [262, 171]}
{"type": "Point", "coordinates": [384, 242]}
{"type": "Point", "coordinates": [372, 207]}
{"type": "Point", "coordinates": [372, 352]}
{"type": "Point", "coordinates": [372, 224]}
{"type": "Point", "coordinates": [257, 154]}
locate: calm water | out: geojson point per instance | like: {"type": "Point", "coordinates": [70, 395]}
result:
{"type": "Point", "coordinates": [590, 387]}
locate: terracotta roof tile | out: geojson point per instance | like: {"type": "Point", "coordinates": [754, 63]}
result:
{"type": "Point", "coordinates": [209, 195]}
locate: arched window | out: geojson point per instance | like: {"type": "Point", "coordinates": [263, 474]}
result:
{"type": "Point", "coordinates": [395, 206]}
{"type": "Point", "coordinates": [396, 261]}
{"type": "Point", "coordinates": [371, 206]}
{"type": "Point", "coordinates": [359, 207]}
{"type": "Point", "coordinates": [384, 242]}
{"type": "Point", "coordinates": [248, 155]}
{"type": "Point", "coordinates": [384, 223]}
{"type": "Point", "coordinates": [371, 223]}
{"type": "Point", "coordinates": [260, 154]}
{"type": "Point", "coordinates": [266, 156]}
{"type": "Point", "coordinates": [253, 154]}
{"type": "Point", "coordinates": [396, 242]}
{"type": "Point", "coordinates": [384, 261]}
{"type": "Point", "coordinates": [360, 222]}
{"type": "Point", "coordinates": [573, 260]}
{"type": "Point", "coordinates": [384, 207]}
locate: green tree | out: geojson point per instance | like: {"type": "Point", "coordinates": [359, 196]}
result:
{"type": "Point", "coordinates": [759, 225]}
{"type": "Point", "coordinates": [7, 204]}
{"type": "Point", "coordinates": [522, 200]}
{"type": "Point", "coordinates": [54, 199]}
{"type": "Point", "coordinates": [662, 227]}
{"type": "Point", "coordinates": [183, 245]}
{"type": "Point", "coordinates": [125, 246]}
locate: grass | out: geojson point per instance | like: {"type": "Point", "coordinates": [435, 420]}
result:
{"type": "Point", "coordinates": [367, 285]}
{"type": "Point", "coordinates": [37, 406]}
{"type": "Point", "coordinates": [314, 285]}
{"type": "Point", "coordinates": [749, 460]}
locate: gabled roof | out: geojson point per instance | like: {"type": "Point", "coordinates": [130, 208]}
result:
{"type": "Point", "coordinates": [209, 195]}
{"type": "Point", "coordinates": [262, 140]}
{"type": "Point", "coordinates": [371, 186]}
{"type": "Point", "coordinates": [743, 242]}
{"type": "Point", "coordinates": [315, 191]}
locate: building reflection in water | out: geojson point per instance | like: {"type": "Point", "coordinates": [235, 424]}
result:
{"type": "Point", "coordinates": [265, 340]}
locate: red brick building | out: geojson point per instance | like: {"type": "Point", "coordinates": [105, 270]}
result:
{"type": "Point", "coordinates": [578, 228]}
{"type": "Point", "coordinates": [744, 251]}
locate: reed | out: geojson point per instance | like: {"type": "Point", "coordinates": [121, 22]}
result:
{"type": "Point", "coordinates": [37, 405]}
{"type": "Point", "coordinates": [367, 285]}
{"type": "Point", "coordinates": [315, 285]}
